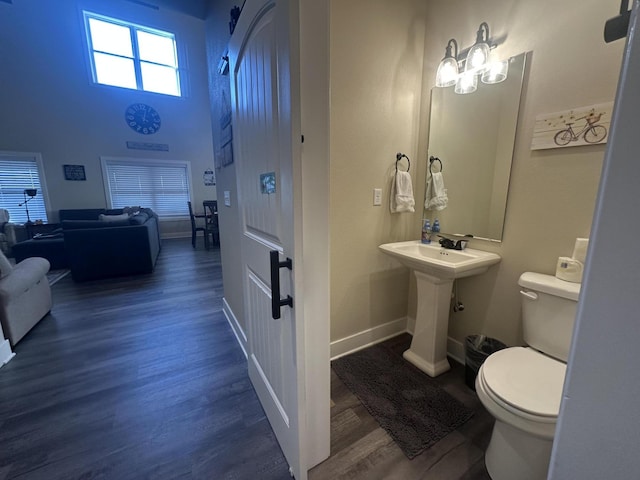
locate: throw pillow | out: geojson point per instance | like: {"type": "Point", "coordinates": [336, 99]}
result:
{"type": "Point", "coordinates": [131, 210]}
{"type": "Point", "coordinates": [113, 218]}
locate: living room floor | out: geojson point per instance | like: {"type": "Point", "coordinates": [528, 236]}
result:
{"type": "Point", "coordinates": [136, 378]}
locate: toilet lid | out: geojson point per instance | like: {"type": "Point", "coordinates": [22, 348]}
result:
{"type": "Point", "coordinates": [526, 379]}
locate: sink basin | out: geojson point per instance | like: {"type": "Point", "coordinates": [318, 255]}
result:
{"type": "Point", "coordinates": [440, 262]}
{"type": "Point", "coordinates": [435, 269]}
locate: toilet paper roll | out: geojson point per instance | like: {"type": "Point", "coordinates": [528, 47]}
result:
{"type": "Point", "coordinates": [580, 249]}
{"type": "Point", "coordinates": [569, 269]}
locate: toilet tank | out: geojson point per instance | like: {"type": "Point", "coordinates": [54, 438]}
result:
{"type": "Point", "coordinates": [548, 313]}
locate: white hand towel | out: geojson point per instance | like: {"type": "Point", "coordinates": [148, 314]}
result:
{"type": "Point", "coordinates": [436, 197]}
{"type": "Point", "coordinates": [402, 193]}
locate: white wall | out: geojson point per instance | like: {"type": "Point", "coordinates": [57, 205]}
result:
{"type": "Point", "coordinates": [597, 433]}
{"type": "Point", "coordinates": [377, 50]}
{"type": "Point", "coordinates": [50, 106]}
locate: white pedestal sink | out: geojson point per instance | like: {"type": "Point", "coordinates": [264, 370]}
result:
{"type": "Point", "coordinates": [435, 269]}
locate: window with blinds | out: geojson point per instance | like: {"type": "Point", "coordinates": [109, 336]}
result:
{"type": "Point", "coordinates": [17, 174]}
{"type": "Point", "coordinates": [161, 186]}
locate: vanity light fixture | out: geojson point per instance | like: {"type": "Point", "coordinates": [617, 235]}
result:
{"type": "Point", "coordinates": [478, 56]}
{"type": "Point", "coordinates": [447, 73]}
{"type": "Point", "coordinates": [476, 64]}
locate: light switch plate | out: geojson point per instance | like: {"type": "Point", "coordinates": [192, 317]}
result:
{"type": "Point", "coordinates": [227, 198]}
{"type": "Point", "coordinates": [377, 197]}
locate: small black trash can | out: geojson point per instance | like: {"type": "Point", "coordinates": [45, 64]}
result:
{"type": "Point", "coordinates": [477, 349]}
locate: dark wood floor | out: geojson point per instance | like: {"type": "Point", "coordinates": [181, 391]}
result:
{"type": "Point", "coordinates": [136, 378]}
{"type": "Point", "coordinates": [142, 378]}
{"type": "Point", "coordinates": [362, 450]}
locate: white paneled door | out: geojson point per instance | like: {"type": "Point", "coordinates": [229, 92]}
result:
{"type": "Point", "coordinates": [266, 129]}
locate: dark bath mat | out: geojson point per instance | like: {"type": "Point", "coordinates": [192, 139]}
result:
{"type": "Point", "coordinates": [406, 402]}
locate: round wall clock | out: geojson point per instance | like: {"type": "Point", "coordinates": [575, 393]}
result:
{"type": "Point", "coordinates": [142, 118]}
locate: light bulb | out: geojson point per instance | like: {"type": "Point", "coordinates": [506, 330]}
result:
{"type": "Point", "coordinates": [447, 72]}
{"type": "Point", "coordinates": [496, 72]}
{"type": "Point", "coordinates": [477, 58]}
{"type": "Point", "coordinates": [467, 83]}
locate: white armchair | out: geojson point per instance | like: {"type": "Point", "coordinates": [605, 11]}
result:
{"type": "Point", "coordinates": [25, 295]}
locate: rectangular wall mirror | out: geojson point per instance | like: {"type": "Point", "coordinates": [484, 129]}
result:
{"type": "Point", "coordinates": [473, 135]}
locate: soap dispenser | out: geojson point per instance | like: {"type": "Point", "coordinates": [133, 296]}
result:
{"type": "Point", "coordinates": [436, 226]}
{"type": "Point", "coordinates": [426, 231]}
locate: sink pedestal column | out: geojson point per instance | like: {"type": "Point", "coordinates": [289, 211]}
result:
{"type": "Point", "coordinates": [428, 349]}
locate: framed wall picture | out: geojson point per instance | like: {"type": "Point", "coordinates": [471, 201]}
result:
{"type": "Point", "coordinates": [74, 172]}
{"type": "Point", "coordinates": [572, 128]}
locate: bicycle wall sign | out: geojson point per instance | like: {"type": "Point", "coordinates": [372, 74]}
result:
{"type": "Point", "coordinates": [571, 128]}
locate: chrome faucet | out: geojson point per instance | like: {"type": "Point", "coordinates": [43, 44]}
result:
{"type": "Point", "coordinates": [451, 245]}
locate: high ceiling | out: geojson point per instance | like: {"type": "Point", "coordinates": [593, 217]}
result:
{"type": "Point", "coordinates": [195, 8]}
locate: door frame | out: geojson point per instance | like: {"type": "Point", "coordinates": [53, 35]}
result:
{"type": "Point", "coordinates": [315, 174]}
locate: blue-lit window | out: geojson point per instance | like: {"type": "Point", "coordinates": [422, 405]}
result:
{"type": "Point", "coordinates": [132, 56]}
{"type": "Point", "coordinates": [19, 173]}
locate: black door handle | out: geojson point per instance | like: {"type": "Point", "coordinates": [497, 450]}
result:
{"type": "Point", "coordinates": [276, 301]}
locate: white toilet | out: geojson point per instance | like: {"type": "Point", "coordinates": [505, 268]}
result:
{"type": "Point", "coordinates": [522, 386]}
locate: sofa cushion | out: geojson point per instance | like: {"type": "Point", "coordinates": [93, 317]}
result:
{"type": "Point", "coordinates": [138, 219]}
{"type": "Point", "coordinates": [149, 212]}
{"type": "Point", "coordinates": [113, 218]}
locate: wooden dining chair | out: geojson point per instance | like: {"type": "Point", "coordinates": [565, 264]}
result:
{"type": "Point", "coordinates": [195, 228]}
{"type": "Point", "coordinates": [211, 222]}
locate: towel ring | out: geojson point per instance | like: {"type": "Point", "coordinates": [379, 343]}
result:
{"type": "Point", "coordinates": [400, 156]}
{"type": "Point", "coordinates": [434, 159]}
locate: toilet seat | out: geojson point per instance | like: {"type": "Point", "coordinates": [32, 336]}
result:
{"type": "Point", "coordinates": [524, 382]}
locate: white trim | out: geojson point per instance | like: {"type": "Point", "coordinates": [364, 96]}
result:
{"type": "Point", "coordinates": [5, 353]}
{"type": "Point", "coordinates": [372, 336]}
{"type": "Point", "coordinates": [367, 338]}
{"type": "Point", "coordinates": [455, 350]}
{"type": "Point", "coordinates": [315, 100]}
{"type": "Point", "coordinates": [235, 326]}
{"type": "Point", "coordinates": [170, 235]}
{"type": "Point", "coordinates": [266, 385]}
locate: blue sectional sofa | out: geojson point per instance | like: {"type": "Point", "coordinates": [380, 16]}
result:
{"type": "Point", "coordinates": [102, 243]}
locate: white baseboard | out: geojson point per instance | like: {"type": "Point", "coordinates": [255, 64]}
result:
{"type": "Point", "coordinates": [166, 236]}
{"type": "Point", "coordinates": [235, 326]}
{"type": "Point", "coordinates": [5, 353]}
{"type": "Point", "coordinates": [455, 350]}
{"type": "Point", "coordinates": [366, 338]}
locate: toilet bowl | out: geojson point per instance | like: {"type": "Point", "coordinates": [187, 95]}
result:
{"type": "Point", "coordinates": [522, 389]}
{"type": "Point", "coordinates": [522, 386]}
